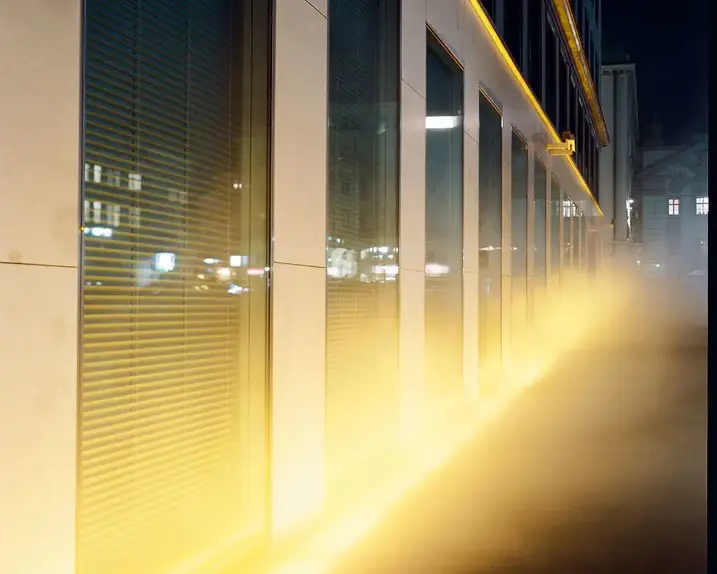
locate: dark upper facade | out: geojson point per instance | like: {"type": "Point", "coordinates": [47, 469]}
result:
{"type": "Point", "coordinates": [556, 45]}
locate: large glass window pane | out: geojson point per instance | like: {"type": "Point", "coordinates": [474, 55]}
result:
{"type": "Point", "coordinates": [539, 222]}
{"type": "Point", "coordinates": [362, 243]}
{"type": "Point", "coordinates": [551, 73]}
{"type": "Point", "coordinates": [444, 219]}
{"type": "Point", "coordinates": [172, 417]}
{"type": "Point", "coordinates": [536, 24]}
{"type": "Point", "coordinates": [563, 99]}
{"type": "Point", "coordinates": [490, 226]}
{"type": "Point", "coordinates": [555, 218]}
{"type": "Point", "coordinates": [489, 6]}
{"type": "Point", "coordinates": [573, 110]}
{"type": "Point", "coordinates": [513, 29]}
{"type": "Point", "coordinates": [519, 231]}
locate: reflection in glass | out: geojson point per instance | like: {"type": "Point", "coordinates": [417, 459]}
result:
{"type": "Point", "coordinates": [362, 243]}
{"type": "Point", "coordinates": [539, 227]}
{"type": "Point", "coordinates": [174, 307]}
{"type": "Point", "coordinates": [444, 219]}
{"type": "Point", "coordinates": [519, 231]}
{"type": "Point", "coordinates": [490, 226]}
{"type": "Point", "coordinates": [555, 218]}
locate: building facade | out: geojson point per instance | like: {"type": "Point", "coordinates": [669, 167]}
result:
{"type": "Point", "coordinates": [618, 160]}
{"type": "Point", "coordinates": [265, 237]}
{"type": "Point", "coordinates": [672, 205]}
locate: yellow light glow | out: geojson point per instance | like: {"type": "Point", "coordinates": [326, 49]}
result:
{"type": "Point", "coordinates": [508, 59]}
{"type": "Point", "coordinates": [447, 426]}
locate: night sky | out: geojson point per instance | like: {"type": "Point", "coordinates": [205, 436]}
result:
{"type": "Point", "coordinates": [668, 44]}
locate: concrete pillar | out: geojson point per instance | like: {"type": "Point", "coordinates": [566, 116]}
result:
{"type": "Point", "coordinates": [299, 261]}
{"type": "Point", "coordinates": [412, 217]}
{"type": "Point", "coordinates": [40, 186]}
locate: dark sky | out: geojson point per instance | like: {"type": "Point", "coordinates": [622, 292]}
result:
{"type": "Point", "coordinates": [668, 43]}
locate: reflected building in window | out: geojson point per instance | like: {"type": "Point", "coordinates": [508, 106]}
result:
{"type": "Point", "coordinates": [490, 244]}
{"type": "Point", "coordinates": [444, 218]}
{"type": "Point", "coordinates": [362, 224]}
{"type": "Point", "coordinates": [174, 301]}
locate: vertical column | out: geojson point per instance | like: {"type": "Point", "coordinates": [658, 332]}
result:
{"type": "Point", "coordinates": [298, 286]}
{"type": "Point", "coordinates": [412, 228]}
{"type": "Point", "coordinates": [40, 142]}
{"type": "Point", "coordinates": [507, 243]}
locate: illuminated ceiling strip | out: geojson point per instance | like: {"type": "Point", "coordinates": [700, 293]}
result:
{"type": "Point", "coordinates": [567, 24]}
{"type": "Point", "coordinates": [498, 43]}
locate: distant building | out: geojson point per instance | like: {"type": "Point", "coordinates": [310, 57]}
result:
{"type": "Point", "coordinates": [618, 160]}
{"type": "Point", "coordinates": [672, 204]}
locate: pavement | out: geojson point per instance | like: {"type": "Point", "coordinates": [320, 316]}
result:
{"type": "Point", "coordinates": [600, 467]}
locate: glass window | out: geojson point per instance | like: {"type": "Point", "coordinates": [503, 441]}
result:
{"type": "Point", "coordinates": [536, 25]}
{"type": "Point", "coordinates": [490, 226]}
{"type": "Point", "coordinates": [563, 95]}
{"type": "Point", "coordinates": [513, 29]}
{"type": "Point", "coordinates": [596, 172]}
{"type": "Point", "coordinates": [583, 140]}
{"type": "Point", "coordinates": [173, 374]}
{"type": "Point", "coordinates": [578, 133]}
{"type": "Point", "coordinates": [703, 205]}
{"type": "Point", "coordinates": [673, 206]}
{"type": "Point", "coordinates": [489, 6]}
{"type": "Point", "coordinates": [362, 229]}
{"type": "Point", "coordinates": [555, 218]}
{"type": "Point", "coordinates": [589, 160]}
{"type": "Point", "coordinates": [519, 231]}
{"type": "Point", "coordinates": [551, 73]}
{"type": "Point", "coordinates": [574, 114]}
{"type": "Point", "coordinates": [444, 218]}
{"type": "Point", "coordinates": [539, 222]}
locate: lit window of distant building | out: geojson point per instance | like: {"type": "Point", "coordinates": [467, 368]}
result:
{"type": "Point", "coordinates": [86, 212]}
{"type": "Point", "coordinates": [97, 211]}
{"type": "Point", "coordinates": [673, 206]}
{"type": "Point", "coordinates": [114, 177]}
{"type": "Point", "coordinates": [703, 205]}
{"type": "Point", "coordinates": [567, 208]}
{"type": "Point", "coordinates": [135, 182]}
{"type": "Point", "coordinates": [115, 215]}
{"type": "Point", "coordinates": [134, 216]}
{"type": "Point", "coordinates": [98, 173]}
{"type": "Point", "coordinates": [88, 172]}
